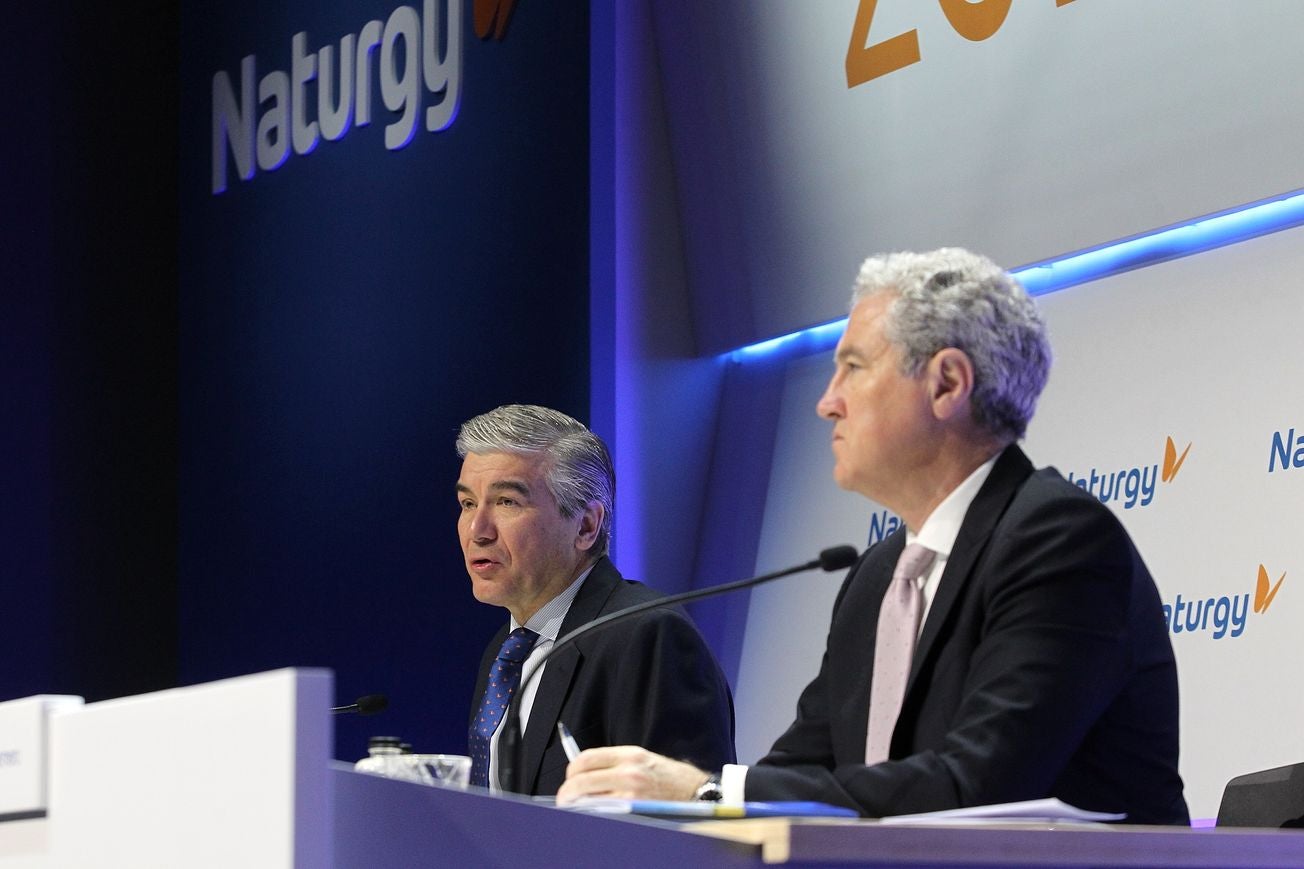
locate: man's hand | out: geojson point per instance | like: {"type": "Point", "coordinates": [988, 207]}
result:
{"type": "Point", "coordinates": [630, 773]}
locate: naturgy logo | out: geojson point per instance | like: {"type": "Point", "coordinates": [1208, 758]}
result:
{"type": "Point", "coordinates": [1222, 616]}
{"type": "Point", "coordinates": [881, 524]}
{"type": "Point", "coordinates": [405, 52]}
{"type": "Point", "coordinates": [1133, 487]}
{"type": "Point", "coordinates": [1286, 452]}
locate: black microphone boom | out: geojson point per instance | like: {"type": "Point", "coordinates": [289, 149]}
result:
{"type": "Point", "coordinates": [509, 741]}
{"type": "Point", "coordinates": [368, 704]}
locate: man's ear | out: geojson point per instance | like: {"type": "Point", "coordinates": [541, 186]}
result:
{"type": "Point", "coordinates": [950, 382]}
{"type": "Point", "coordinates": [590, 525]}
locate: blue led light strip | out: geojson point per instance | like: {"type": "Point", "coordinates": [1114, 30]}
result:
{"type": "Point", "coordinates": [1205, 233]}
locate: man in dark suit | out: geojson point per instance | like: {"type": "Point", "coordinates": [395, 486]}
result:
{"type": "Point", "coordinates": [1008, 642]}
{"type": "Point", "coordinates": [536, 493]}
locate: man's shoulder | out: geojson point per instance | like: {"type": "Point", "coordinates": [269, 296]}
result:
{"type": "Point", "coordinates": [629, 592]}
{"type": "Point", "coordinates": [637, 635]}
{"type": "Point", "coordinates": [1016, 475]}
{"type": "Point", "coordinates": [605, 590]}
{"type": "Point", "coordinates": [616, 591]}
{"type": "Point", "coordinates": [1048, 486]}
{"type": "Point", "coordinates": [1046, 501]}
{"type": "Point", "coordinates": [1048, 482]}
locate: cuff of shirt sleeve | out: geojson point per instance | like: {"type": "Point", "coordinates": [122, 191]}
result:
{"type": "Point", "coordinates": [733, 782]}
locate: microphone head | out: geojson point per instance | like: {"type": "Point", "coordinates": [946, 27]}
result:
{"type": "Point", "coordinates": [370, 704]}
{"type": "Point", "coordinates": [838, 557]}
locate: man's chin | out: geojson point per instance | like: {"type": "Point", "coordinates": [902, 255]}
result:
{"type": "Point", "coordinates": [486, 592]}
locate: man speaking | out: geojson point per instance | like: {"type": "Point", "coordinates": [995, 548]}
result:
{"type": "Point", "coordinates": [536, 493]}
{"type": "Point", "coordinates": [1007, 643]}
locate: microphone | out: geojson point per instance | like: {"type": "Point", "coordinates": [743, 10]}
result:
{"type": "Point", "coordinates": [509, 741]}
{"type": "Point", "coordinates": [368, 704]}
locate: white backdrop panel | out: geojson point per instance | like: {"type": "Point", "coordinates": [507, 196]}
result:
{"type": "Point", "coordinates": [804, 512]}
{"type": "Point", "coordinates": [1069, 127]}
{"type": "Point", "coordinates": [1205, 351]}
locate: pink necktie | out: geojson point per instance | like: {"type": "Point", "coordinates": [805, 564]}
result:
{"type": "Point", "coordinates": [894, 646]}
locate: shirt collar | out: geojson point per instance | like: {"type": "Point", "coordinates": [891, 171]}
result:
{"type": "Point", "coordinates": [942, 526]}
{"type": "Point", "coordinates": [547, 621]}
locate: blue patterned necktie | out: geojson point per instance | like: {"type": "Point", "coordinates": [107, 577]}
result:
{"type": "Point", "coordinates": [504, 677]}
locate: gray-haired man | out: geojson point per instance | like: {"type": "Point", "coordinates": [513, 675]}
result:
{"type": "Point", "coordinates": [1006, 644]}
{"type": "Point", "coordinates": [536, 493]}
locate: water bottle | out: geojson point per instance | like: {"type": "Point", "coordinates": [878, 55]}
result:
{"type": "Point", "coordinates": [383, 753]}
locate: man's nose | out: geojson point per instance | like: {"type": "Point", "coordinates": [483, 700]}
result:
{"type": "Point", "coordinates": [830, 405]}
{"type": "Point", "coordinates": [482, 525]}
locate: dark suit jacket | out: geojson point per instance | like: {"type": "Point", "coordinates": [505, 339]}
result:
{"type": "Point", "coordinates": [1044, 668]}
{"type": "Point", "coordinates": [649, 681]}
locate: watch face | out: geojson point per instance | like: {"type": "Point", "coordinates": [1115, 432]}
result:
{"type": "Point", "coordinates": [710, 791]}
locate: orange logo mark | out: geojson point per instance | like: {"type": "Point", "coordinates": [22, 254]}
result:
{"type": "Point", "coordinates": [1262, 596]}
{"type": "Point", "coordinates": [492, 17]}
{"type": "Point", "coordinates": [1173, 462]}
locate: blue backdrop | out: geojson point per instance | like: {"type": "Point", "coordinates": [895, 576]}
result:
{"type": "Point", "coordinates": [339, 317]}
{"type": "Point", "coordinates": [88, 337]}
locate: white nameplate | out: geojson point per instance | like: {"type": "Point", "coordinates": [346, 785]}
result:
{"type": "Point", "coordinates": [24, 766]}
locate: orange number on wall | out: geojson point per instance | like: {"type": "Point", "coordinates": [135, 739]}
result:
{"type": "Point", "coordinates": [976, 21]}
{"type": "Point", "coordinates": [866, 62]}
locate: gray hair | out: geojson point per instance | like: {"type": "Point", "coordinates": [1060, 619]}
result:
{"type": "Point", "coordinates": [578, 467]}
{"type": "Point", "coordinates": [953, 298]}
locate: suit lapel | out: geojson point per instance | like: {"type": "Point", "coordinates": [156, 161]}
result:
{"type": "Point", "coordinates": [560, 671]}
{"type": "Point", "coordinates": [1008, 474]}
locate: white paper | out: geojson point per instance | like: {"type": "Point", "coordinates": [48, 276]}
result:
{"type": "Point", "coordinates": [1048, 810]}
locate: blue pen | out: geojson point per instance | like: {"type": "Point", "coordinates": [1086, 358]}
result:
{"type": "Point", "coordinates": [568, 743]}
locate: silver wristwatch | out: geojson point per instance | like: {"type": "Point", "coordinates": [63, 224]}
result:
{"type": "Point", "coordinates": [710, 791]}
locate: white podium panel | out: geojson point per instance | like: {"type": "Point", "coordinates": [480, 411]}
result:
{"type": "Point", "coordinates": [231, 773]}
{"type": "Point", "coordinates": [24, 761]}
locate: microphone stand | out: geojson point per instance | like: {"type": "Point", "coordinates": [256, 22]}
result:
{"type": "Point", "coordinates": [510, 743]}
